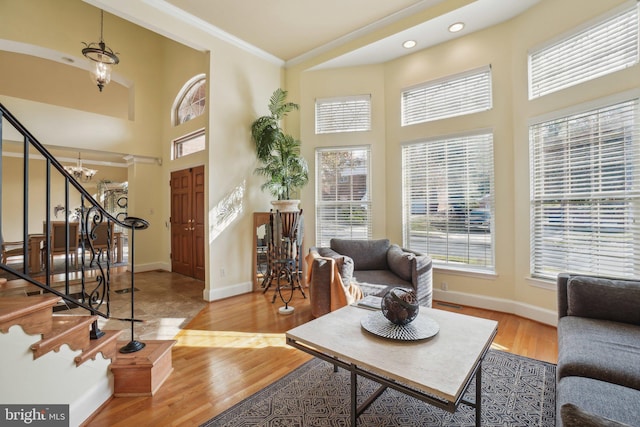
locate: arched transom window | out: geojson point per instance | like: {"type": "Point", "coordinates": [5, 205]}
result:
{"type": "Point", "coordinates": [191, 100]}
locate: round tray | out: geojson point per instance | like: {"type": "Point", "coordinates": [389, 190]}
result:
{"type": "Point", "coordinates": [421, 328]}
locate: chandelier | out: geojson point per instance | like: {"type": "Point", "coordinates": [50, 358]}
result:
{"type": "Point", "coordinates": [79, 172]}
{"type": "Point", "coordinates": [102, 58]}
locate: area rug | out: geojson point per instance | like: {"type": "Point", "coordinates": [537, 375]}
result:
{"type": "Point", "coordinates": [516, 391]}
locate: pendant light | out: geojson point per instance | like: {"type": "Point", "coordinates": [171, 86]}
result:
{"type": "Point", "coordinates": [102, 58]}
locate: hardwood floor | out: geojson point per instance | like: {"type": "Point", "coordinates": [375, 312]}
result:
{"type": "Point", "coordinates": [235, 347]}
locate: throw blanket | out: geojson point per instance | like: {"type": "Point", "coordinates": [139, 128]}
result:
{"type": "Point", "coordinates": [341, 294]}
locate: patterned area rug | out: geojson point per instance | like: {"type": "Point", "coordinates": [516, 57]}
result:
{"type": "Point", "coordinates": [516, 391]}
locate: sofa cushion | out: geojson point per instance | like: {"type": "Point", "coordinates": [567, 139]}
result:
{"type": "Point", "coordinates": [400, 262]}
{"type": "Point", "coordinates": [572, 415]}
{"type": "Point", "coordinates": [597, 401]}
{"type": "Point", "coordinates": [345, 263]}
{"type": "Point", "coordinates": [366, 254]}
{"type": "Point", "coordinates": [600, 349]}
{"type": "Point", "coordinates": [598, 298]}
{"type": "Point", "coordinates": [379, 277]}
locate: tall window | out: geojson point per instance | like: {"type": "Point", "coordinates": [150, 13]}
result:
{"type": "Point", "coordinates": [585, 193]}
{"type": "Point", "coordinates": [448, 200]}
{"type": "Point", "coordinates": [607, 46]}
{"type": "Point", "coordinates": [451, 96]}
{"type": "Point", "coordinates": [344, 114]}
{"type": "Point", "coordinates": [191, 101]}
{"type": "Point", "coordinates": [343, 196]}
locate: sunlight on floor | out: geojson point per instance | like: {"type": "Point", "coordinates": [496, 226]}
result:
{"type": "Point", "coordinates": [499, 347]}
{"type": "Point", "coordinates": [228, 339]}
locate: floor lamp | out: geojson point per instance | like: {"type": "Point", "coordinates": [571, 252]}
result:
{"type": "Point", "coordinates": [135, 224]}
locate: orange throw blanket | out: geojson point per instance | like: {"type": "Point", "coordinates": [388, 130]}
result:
{"type": "Point", "coordinates": [341, 295]}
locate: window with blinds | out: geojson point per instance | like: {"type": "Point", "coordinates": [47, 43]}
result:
{"type": "Point", "coordinates": [343, 196]}
{"type": "Point", "coordinates": [608, 46]}
{"type": "Point", "coordinates": [452, 96]}
{"type": "Point", "coordinates": [344, 114]}
{"type": "Point", "coordinates": [448, 200]}
{"type": "Point", "coordinates": [585, 192]}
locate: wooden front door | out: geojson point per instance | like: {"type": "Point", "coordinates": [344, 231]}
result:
{"type": "Point", "coordinates": [187, 222]}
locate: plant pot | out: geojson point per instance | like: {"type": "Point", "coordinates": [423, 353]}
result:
{"type": "Point", "coordinates": [286, 205]}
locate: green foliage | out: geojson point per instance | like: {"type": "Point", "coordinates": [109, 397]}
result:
{"type": "Point", "coordinates": [278, 152]}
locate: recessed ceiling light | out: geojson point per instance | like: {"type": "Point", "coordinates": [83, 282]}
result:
{"type": "Point", "coordinates": [409, 44]}
{"type": "Point", "coordinates": [67, 59]}
{"type": "Point", "coordinates": [454, 28]}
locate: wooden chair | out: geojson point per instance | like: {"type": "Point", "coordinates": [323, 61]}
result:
{"type": "Point", "coordinates": [58, 241]}
{"type": "Point", "coordinates": [102, 232]}
{"type": "Point", "coordinates": [11, 249]}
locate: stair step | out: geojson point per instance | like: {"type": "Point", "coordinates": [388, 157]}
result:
{"type": "Point", "coordinates": [16, 287]}
{"type": "Point", "coordinates": [67, 329]}
{"type": "Point", "coordinates": [33, 314]}
{"type": "Point", "coordinates": [106, 344]}
{"type": "Point", "coordinates": [143, 372]}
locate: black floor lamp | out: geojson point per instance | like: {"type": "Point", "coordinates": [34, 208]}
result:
{"type": "Point", "coordinates": [135, 224]}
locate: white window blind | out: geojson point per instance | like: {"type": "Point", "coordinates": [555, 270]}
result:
{"type": "Point", "coordinates": [448, 199]}
{"type": "Point", "coordinates": [343, 196]}
{"type": "Point", "coordinates": [344, 114]}
{"type": "Point", "coordinates": [452, 96]}
{"type": "Point", "coordinates": [585, 192]}
{"type": "Point", "coordinates": [600, 49]}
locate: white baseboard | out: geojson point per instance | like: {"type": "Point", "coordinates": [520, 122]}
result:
{"type": "Point", "coordinates": [151, 267]}
{"type": "Point", "coordinates": [227, 291]}
{"type": "Point", "coordinates": [528, 311]}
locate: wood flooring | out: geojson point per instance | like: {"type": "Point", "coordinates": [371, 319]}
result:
{"type": "Point", "coordinates": [235, 347]}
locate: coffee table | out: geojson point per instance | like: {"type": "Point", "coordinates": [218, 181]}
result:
{"type": "Point", "coordinates": [437, 370]}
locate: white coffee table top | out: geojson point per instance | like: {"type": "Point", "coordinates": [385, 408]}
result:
{"type": "Point", "coordinates": [440, 365]}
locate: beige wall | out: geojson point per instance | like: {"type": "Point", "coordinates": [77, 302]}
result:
{"type": "Point", "coordinates": [505, 48]}
{"type": "Point", "coordinates": [240, 83]}
{"type": "Point", "coordinates": [153, 69]}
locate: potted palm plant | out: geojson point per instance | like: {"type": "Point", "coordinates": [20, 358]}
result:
{"type": "Point", "coordinates": [282, 165]}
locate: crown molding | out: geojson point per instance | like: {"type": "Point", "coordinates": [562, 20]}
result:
{"type": "Point", "coordinates": [133, 159]}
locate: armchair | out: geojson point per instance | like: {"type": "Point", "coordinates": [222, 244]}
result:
{"type": "Point", "coordinates": [348, 269]}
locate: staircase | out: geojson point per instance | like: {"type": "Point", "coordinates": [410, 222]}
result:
{"type": "Point", "coordinates": [55, 355]}
{"type": "Point", "coordinates": [48, 356]}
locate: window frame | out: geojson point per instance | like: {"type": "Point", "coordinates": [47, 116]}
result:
{"type": "Point", "coordinates": [573, 36]}
{"type": "Point", "coordinates": [456, 101]}
{"type": "Point", "coordinates": [200, 79]}
{"type": "Point", "coordinates": [320, 204]}
{"type": "Point", "coordinates": [433, 224]}
{"type": "Point", "coordinates": [178, 142]}
{"type": "Point", "coordinates": [541, 271]}
{"type": "Point", "coordinates": [342, 105]}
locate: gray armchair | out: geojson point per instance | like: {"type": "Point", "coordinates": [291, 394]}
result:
{"type": "Point", "coordinates": [373, 266]}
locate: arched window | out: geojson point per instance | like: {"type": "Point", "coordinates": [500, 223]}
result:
{"type": "Point", "coordinates": [191, 100]}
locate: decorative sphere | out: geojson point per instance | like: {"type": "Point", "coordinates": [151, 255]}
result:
{"type": "Point", "coordinates": [400, 306]}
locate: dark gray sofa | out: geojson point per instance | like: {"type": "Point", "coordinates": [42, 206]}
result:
{"type": "Point", "coordinates": [598, 374]}
{"type": "Point", "coordinates": [374, 265]}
